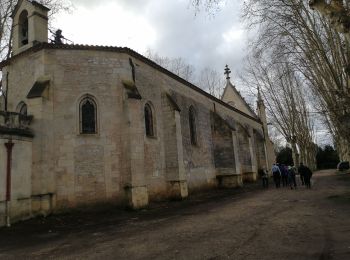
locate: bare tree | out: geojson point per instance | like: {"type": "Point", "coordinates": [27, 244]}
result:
{"type": "Point", "coordinates": [316, 43]}
{"type": "Point", "coordinates": [6, 9]}
{"type": "Point", "coordinates": [291, 30]}
{"type": "Point", "coordinates": [340, 142]}
{"type": "Point", "coordinates": [282, 90]}
{"type": "Point", "coordinates": [277, 139]}
{"type": "Point", "coordinates": [337, 11]}
{"type": "Point", "coordinates": [207, 79]}
{"type": "Point", "coordinates": [212, 81]}
{"type": "Point", "coordinates": [176, 65]}
{"type": "Point", "coordinates": [210, 6]}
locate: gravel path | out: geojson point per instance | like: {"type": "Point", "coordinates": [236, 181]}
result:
{"type": "Point", "coordinates": [249, 223]}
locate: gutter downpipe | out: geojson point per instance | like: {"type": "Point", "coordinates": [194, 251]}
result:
{"type": "Point", "coordinates": [9, 145]}
{"type": "Point", "coordinates": [7, 90]}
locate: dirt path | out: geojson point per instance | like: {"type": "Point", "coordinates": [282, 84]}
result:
{"type": "Point", "coordinates": [247, 224]}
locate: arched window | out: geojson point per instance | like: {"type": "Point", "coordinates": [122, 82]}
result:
{"type": "Point", "coordinates": [22, 108]}
{"type": "Point", "coordinates": [23, 28]}
{"type": "Point", "coordinates": [192, 122]}
{"type": "Point", "coordinates": [88, 116]}
{"type": "Point", "coordinates": [149, 124]}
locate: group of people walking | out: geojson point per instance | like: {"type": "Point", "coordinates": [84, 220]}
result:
{"type": "Point", "coordinates": [286, 175]}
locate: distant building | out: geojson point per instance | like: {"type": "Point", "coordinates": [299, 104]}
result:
{"type": "Point", "coordinates": [91, 124]}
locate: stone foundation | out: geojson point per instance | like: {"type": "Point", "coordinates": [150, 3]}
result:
{"type": "Point", "coordinates": [43, 204]}
{"type": "Point", "coordinates": [230, 181]}
{"type": "Point", "coordinates": [249, 176]}
{"type": "Point", "coordinates": [137, 196]}
{"type": "Point", "coordinates": [178, 189]}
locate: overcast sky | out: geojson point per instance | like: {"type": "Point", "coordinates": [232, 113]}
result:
{"type": "Point", "coordinates": [169, 27]}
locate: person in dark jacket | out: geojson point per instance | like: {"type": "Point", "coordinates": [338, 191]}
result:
{"type": "Point", "coordinates": [284, 175]}
{"type": "Point", "coordinates": [301, 174]}
{"type": "Point", "coordinates": [276, 173]}
{"type": "Point", "coordinates": [291, 177]}
{"type": "Point", "coordinates": [263, 173]}
{"type": "Point", "coordinates": [307, 174]}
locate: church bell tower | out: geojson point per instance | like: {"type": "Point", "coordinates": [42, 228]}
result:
{"type": "Point", "coordinates": [30, 25]}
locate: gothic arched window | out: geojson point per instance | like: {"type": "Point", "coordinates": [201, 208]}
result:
{"type": "Point", "coordinates": [88, 116]}
{"type": "Point", "coordinates": [23, 28]}
{"type": "Point", "coordinates": [149, 123]}
{"type": "Point", "coordinates": [192, 122]}
{"type": "Point", "coordinates": [22, 108]}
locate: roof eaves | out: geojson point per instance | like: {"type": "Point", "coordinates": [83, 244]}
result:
{"type": "Point", "coordinates": [133, 53]}
{"type": "Point", "coordinates": [244, 101]}
{"type": "Point", "coordinates": [38, 89]}
{"type": "Point", "coordinates": [35, 3]}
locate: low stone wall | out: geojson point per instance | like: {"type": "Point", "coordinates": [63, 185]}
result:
{"type": "Point", "coordinates": [15, 167]}
{"type": "Point", "coordinates": [249, 177]}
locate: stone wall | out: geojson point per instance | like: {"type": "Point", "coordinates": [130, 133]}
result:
{"type": "Point", "coordinates": [119, 163]}
{"type": "Point", "coordinates": [15, 167]}
{"type": "Point", "coordinates": [222, 143]}
{"type": "Point", "coordinates": [260, 150]}
{"type": "Point", "coordinates": [90, 168]}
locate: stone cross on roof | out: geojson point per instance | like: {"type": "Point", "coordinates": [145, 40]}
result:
{"type": "Point", "coordinates": [227, 72]}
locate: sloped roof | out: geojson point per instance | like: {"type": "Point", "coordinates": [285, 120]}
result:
{"type": "Point", "coordinates": [40, 5]}
{"type": "Point", "coordinates": [230, 85]}
{"type": "Point", "coordinates": [128, 51]}
{"type": "Point", "coordinates": [38, 89]}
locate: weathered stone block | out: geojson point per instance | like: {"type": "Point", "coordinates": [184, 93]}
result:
{"type": "Point", "coordinates": [137, 196]}
{"type": "Point", "coordinates": [178, 189]}
{"type": "Point", "coordinates": [230, 181]}
{"type": "Point", "coordinates": [249, 176]}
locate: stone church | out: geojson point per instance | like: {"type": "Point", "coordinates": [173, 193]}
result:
{"type": "Point", "coordinates": [82, 125]}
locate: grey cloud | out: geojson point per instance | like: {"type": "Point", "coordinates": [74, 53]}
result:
{"type": "Point", "coordinates": [182, 33]}
{"type": "Point", "coordinates": [198, 38]}
{"type": "Point", "coordinates": [89, 3]}
{"type": "Point", "coordinates": [129, 4]}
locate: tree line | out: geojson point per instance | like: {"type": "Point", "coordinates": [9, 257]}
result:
{"type": "Point", "coordinates": [326, 157]}
{"type": "Point", "coordinates": [207, 78]}
{"type": "Point", "coordinates": [299, 60]}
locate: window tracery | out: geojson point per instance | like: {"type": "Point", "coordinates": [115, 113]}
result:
{"type": "Point", "coordinates": [88, 116]}
{"type": "Point", "coordinates": [149, 120]}
{"type": "Point", "coordinates": [192, 123]}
